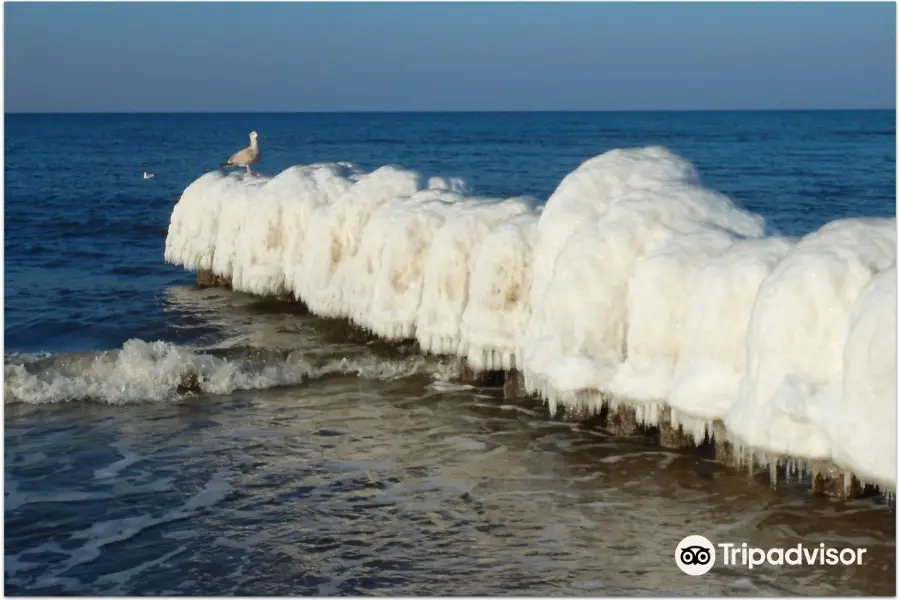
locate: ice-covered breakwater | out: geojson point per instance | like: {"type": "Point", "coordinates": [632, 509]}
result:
{"type": "Point", "coordinates": [633, 287]}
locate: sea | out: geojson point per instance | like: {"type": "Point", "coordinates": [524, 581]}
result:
{"type": "Point", "coordinates": [375, 473]}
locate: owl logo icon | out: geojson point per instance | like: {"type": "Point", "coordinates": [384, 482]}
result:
{"type": "Point", "coordinates": [695, 555]}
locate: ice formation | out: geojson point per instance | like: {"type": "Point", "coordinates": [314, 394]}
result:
{"type": "Point", "coordinates": [576, 338]}
{"type": "Point", "coordinates": [448, 263]}
{"type": "Point", "coordinates": [720, 299]}
{"type": "Point", "coordinates": [656, 308]}
{"type": "Point", "coordinates": [497, 310]}
{"type": "Point", "coordinates": [633, 284]}
{"type": "Point", "coordinates": [863, 415]}
{"type": "Point", "coordinates": [797, 335]}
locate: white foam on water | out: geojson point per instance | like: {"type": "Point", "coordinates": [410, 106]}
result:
{"type": "Point", "coordinates": [119, 580]}
{"type": "Point", "coordinates": [24, 357]}
{"type": "Point", "coordinates": [160, 371]}
{"type": "Point", "coordinates": [634, 285]}
{"type": "Point", "coordinates": [140, 372]}
{"type": "Point", "coordinates": [89, 544]}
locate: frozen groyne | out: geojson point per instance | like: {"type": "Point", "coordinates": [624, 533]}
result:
{"type": "Point", "coordinates": [633, 288]}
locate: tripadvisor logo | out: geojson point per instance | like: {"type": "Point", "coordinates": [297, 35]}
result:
{"type": "Point", "coordinates": [696, 555]}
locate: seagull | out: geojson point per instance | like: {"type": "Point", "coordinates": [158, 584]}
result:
{"type": "Point", "coordinates": [246, 157]}
{"type": "Point", "coordinates": [148, 175]}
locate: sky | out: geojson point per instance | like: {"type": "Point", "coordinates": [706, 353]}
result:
{"type": "Point", "coordinates": [211, 57]}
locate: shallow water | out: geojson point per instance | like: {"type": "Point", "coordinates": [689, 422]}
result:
{"type": "Point", "coordinates": [392, 482]}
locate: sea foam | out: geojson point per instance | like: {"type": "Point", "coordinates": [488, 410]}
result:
{"type": "Point", "coordinates": [161, 371]}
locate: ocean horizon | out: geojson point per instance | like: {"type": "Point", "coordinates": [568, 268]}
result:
{"type": "Point", "coordinates": [452, 111]}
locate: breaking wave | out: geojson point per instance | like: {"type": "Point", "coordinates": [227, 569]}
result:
{"type": "Point", "coordinates": [160, 371]}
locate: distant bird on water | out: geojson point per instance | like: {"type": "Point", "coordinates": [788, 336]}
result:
{"type": "Point", "coordinates": [246, 157]}
{"type": "Point", "coordinates": [148, 175]}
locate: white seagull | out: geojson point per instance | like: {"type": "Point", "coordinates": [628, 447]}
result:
{"type": "Point", "coordinates": [148, 175]}
{"type": "Point", "coordinates": [246, 157]}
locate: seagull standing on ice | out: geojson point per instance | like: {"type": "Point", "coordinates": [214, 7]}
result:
{"type": "Point", "coordinates": [246, 157]}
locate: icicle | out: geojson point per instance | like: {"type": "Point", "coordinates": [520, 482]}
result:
{"type": "Point", "coordinates": [697, 433]}
{"type": "Point", "coordinates": [551, 405]}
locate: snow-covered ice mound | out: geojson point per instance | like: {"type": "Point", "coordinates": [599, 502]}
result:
{"type": "Point", "coordinates": [634, 283]}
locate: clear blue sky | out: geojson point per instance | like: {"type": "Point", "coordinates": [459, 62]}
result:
{"type": "Point", "coordinates": [437, 56]}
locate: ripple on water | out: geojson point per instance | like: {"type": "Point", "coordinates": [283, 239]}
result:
{"type": "Point", "coordinates": [330, 489]}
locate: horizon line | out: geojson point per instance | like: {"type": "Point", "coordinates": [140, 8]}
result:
{"type": "Point", "coordinates": [437, 111]}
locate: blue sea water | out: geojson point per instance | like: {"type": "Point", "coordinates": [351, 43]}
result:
{"type": "Point", "coordinates": [85, 233]}
{"type": "Point", "coordinates": [362, 483]}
